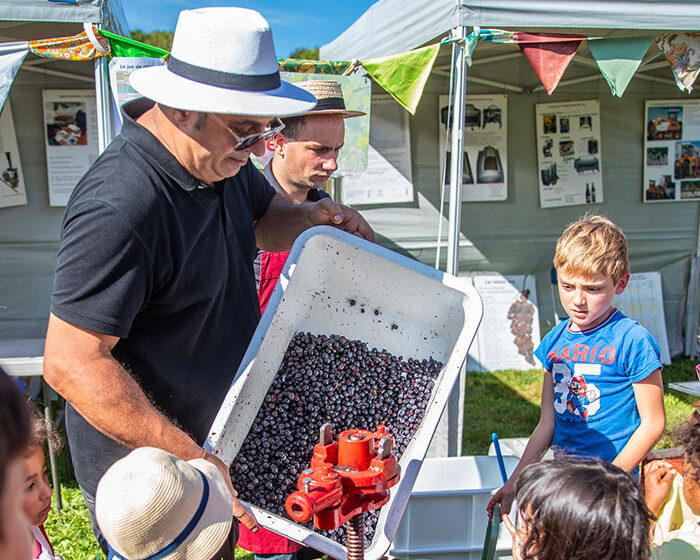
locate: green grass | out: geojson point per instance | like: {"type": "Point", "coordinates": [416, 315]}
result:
{"type": "Point", "coordinates": [70, 532]}
{"type": "Point", "coordinates": [506, 402]}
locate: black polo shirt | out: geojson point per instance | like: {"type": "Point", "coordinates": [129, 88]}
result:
{"type": "Point", "coordinates": [151, 256]}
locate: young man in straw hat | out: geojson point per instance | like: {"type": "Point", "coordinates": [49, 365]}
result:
{"type": "Point", "coordinates": [154, 299]}
{"type": "Point", "coordinates": [305, 155]}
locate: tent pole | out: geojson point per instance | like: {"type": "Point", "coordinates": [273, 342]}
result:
{"type": "Point", "coordinates": [104, 120]}
{"type": "Point", "coordinates": [457, 148]}
{"type": "Point", "coordinates": [454, 414]}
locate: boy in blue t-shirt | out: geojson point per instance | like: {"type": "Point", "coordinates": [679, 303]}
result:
{"type": "Point", "coordinates": [602, 394]}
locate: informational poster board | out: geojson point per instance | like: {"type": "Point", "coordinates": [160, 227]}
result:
{"type": "Point", "coordinates": [70, 135]}
{"type": "Point", "coordinates": [569, 153]}
{"type": "Point", "coordinates": [485, 157]}
{"type": "Point", "coordinates": [642, 301]}
{"type": "Point", "coordinates": [12, 187]}
{"type": "Point", "coordinates": [510, 328]}
{"type": "Point", "coordinates": [388, 176]}
{"type": "Point", "coordinates": [119, 70]}
{"type": "Point", "coordinates": [672, 150]}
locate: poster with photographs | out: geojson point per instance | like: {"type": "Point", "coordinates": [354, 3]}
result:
{"type": "Point", "coordinates": [484, 159]}
{"type": "Point", "coordinates": [569, 153]}
{"type": "Point", "coordinates": [672, 151]}
{"type": "Point", "coordinates": [70, 133]}
{"type": "Point", "coordinates": [12, 188]}
{"type": "Point", "coordinates": [510, 332]}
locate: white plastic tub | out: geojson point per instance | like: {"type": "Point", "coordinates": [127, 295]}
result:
{"type": "Point", "coordinates": [436, 314]}
{"type": "Point", "coordinates": [446, 515]}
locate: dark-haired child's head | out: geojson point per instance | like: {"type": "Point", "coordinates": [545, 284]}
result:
{"type": "Point", "coordinates": [37, 490]}
{"type": "Point", "coordinates": [688, 436]}
{"type": "Point", "coordinates": [15, 431]}
{"type": "Point", "coordinates": [580, 509]}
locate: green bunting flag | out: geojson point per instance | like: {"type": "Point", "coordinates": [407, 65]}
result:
{"type": "Point", "coordinates": [618, 59]}
{"type": "Point", "coordinates": [122, 46]}
{"type": "Point", "coordinates": [404, 75]}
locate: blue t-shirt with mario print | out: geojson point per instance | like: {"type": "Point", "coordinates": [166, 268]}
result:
{"type": "Point", "coordinates": [595, 412]}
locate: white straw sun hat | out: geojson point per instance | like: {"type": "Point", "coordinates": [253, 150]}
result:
{"type": "Point", "coordinates": [222, 61]}
{"type": "Point", "coordinates": [152, 505]}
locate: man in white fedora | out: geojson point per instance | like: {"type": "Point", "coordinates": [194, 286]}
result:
{"type": "Point", "coordinates": [305, 155]}
{"type": "Point", "coordinates": [154, 299]}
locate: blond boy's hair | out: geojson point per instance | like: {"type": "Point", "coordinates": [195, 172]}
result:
{"type": "Point", "coordinates": [593, 245]}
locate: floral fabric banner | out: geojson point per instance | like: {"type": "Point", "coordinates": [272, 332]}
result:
{"type": "Point", "coordinates": [78, 47]}
{"type": "Point", "coordinates": [313, 66]}
{"type": "Point", "coordinates": [682, 51]}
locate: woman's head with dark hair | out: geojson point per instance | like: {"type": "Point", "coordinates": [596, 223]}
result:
{"type": "Point", "coordinates": [15, 435]}
{"type": "Point", "coordinates": [687, 435]}
{"type": "Point", "coordinates": [580, 509]}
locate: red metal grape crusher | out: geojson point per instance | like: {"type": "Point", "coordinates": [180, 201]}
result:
{"type": "Point", "coordinates": [347, 478]}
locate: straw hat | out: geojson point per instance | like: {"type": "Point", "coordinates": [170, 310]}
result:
{"type": "Point", "coordinates": [150, 503]}
{"type": "Point", "coordinates": [329, 95]}
{"type": "Point", "coordinates": [222, 61]}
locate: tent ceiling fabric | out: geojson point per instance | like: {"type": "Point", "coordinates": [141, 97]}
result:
{"type": "Point", "coordinates": [622, 14]}
{"type": "Point", "coordinates": [106, 12]}
{"type": "Point", "coordinates": [394, 26]}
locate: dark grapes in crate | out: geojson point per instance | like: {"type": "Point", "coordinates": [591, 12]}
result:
{"type": "Point", "coordinates": [328, 379]}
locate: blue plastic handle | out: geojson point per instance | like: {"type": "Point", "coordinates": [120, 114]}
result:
{"type": "Point", "coordinates": [499, 456]}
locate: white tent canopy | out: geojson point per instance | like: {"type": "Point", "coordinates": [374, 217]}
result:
{"type": "Point", "coordinates": [108, 14]}
{"type": "Point", "coordinates": [394, 26]}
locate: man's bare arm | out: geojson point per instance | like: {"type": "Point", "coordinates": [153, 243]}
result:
{"type": "Point", "coordinates": [283, 221]}
{"type": "Point", "coordinates": [79, 365]}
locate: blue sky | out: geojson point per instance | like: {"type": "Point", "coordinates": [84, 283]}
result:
{"type": "Point", "coordinates": [295, 24]}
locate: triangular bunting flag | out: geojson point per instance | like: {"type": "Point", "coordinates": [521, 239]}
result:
{"type": "Point", "coordinates": [11, 57]}
{"type": "Point", "coordinates": [618, 59]}
{"type": "Point", "coordinates": [404, 75]}
{"type": "Point", "coordinates": [682, 51]}
{"type": "Point", "coordinates": [550, 60]}
{"type": "Point", "coordinates": [124, 47]}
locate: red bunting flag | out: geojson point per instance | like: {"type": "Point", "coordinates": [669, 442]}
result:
{"type": "Point", "coordinates": [549, 56]}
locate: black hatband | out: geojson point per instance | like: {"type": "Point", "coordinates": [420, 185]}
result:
{"type": "Point", "coordinates": [227, 80]}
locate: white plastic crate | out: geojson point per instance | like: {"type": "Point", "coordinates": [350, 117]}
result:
{"type": "Point", "coordinates": [432, 314]}
{"type": "Point", "coordinates": [446, 515]}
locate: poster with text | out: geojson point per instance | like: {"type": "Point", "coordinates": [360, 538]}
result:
{"type": "Point", "coordinates": [12, 186]}
{"type": "Point", "coordinates": [510, 329]}
{"type": "Point", "coordinates": [357, 93]}
{"type": "Point", "coordinates": [70, 134]}
{"type": "Point", "coordinates": [643, 301]}
{"type": "Point", "coordinates": [484, 158]}
{"type": "Point", "coordinates": [569, 153]}
{"type": "Point", "coordinates": [388, 176]}
{"type": "Point", "coordinates": [119, 70]}
{"type": "Point", "coordinates": [672, 150]}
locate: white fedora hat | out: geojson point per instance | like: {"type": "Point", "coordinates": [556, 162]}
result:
{"type": "Point", "coordinates": [150, 504]}
{"type": "Point", "coordinates": [222, 61]}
